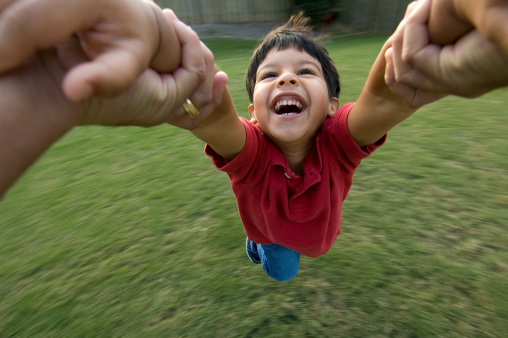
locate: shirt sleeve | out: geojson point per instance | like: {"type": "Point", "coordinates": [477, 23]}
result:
{"type": "Point", "coordinates": [239, 167]}
{"type": "Point", "coordinates": [348, 150]}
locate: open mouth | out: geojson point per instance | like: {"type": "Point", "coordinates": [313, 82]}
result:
{"type": "Point", "coordinates": [288, 107]}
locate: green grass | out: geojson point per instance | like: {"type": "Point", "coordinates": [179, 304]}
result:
{"type": "Point", "coordinates": [131, 232]}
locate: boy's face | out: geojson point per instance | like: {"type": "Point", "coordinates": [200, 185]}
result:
{"type": "Point", "coordinates": [290, 101]}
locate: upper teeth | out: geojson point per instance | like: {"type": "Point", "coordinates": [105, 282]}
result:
{"type": "Point", "coordinates": [288, 103]}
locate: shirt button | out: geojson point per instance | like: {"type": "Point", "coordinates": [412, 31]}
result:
{"type": "Point", "coordinates": [287, 175]}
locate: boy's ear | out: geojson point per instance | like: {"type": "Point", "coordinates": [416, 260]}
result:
{"type": "Point", "coordinates": [334, 105]}
{"type": "Point", "coordinates": [252, 114]}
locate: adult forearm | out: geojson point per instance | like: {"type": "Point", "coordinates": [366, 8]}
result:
{"type": "Point", "coordinates": [29, 123]}
{"type": "Point", "coordinates": [20, 145]}
{"type": "Point", "coordinates": [22, 141]}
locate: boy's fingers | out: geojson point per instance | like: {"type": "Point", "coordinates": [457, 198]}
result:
{"type": "Point", "coordinates": [170, 14]}
{"type": "Point", "coordinates": [416, 36]}
{"type": "Point", "coordinates": [406, 73]}
{"type": "Point", "coordinates": [203, 94]}
{"type": "Point", "coordinates": [168, 56]}
{"type": "Point", "coordinates": [193, 66]}
{"type": "Point", "coordinates": [192, 59]}
{"type": "Point", "coordinates": [219, 84]}
{"type": "Point", "coordinates": [403, 91]}
{"type": "Point", "coordinates": [410, 8]}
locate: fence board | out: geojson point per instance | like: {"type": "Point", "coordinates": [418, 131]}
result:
{"type": "Point", "coordinates": [228, 11]}
{"type": "Point", "coordinates": [374, 16]}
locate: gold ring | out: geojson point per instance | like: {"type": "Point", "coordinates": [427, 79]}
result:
{"type": "Point", "coordinates": [190, 109]}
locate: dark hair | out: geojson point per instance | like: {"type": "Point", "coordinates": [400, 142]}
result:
{"type": "Point", "coordinates": [296, 33]}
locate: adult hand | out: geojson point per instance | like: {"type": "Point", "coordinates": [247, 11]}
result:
{"type": "Point", "coordinates": [119, 40]}
{"type": "Point", "coordinates": [452, 19]}
{"type": "Point", "coordinates": [471, 67]}
{"type": "Point", "coordinates": [157, 98]}
{"type": "Point", "coordinates": [34, 112]}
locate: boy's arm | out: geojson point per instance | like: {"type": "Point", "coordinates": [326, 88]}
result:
{"type": "Point", "coordinates": [222, 130]}
{"type": "Point", "coordinates": [120, 39]}
{"type": "Point", "coordinates": [378, 109]}
{"type": "Point", "coordinates": [218, 123]}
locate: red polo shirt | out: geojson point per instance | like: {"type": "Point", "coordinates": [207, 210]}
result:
{"type": "Point", "coordinates": [301, 213]}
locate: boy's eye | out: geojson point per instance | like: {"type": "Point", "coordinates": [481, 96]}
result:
{"type": "Point", "coordinates": [306, 72]}
{"type": "Point", "coordinates": [268, 75]}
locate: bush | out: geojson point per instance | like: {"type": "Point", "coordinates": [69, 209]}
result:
{"type": "Point", "coordinates": [319, 11]}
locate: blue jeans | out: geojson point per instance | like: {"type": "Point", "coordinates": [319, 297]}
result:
{"type": "Point", "coordinates": [280, 263]}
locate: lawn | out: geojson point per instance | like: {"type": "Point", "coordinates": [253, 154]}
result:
{"type": "Point", "coordinates": [131, 232]}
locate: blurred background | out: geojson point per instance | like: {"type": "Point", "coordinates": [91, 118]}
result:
{"type": "Point", "coordinates": [371, 16]}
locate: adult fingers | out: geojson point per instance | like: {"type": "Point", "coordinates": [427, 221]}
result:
{"type": "Point", "coordinates": [448, 22]}
{"type": "Point", "coordinates": [115, 44]}
{"type": "Point", "coordinates": [5, 3]}
{"type": "Point", "coordinates": [106, 75]}
{"type": "Point", "coordinates": [491, 21]}
{"type": "Point", "coordinates": [28, 25]}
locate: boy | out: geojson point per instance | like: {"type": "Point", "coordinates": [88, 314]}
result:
{"type": "Point", "coordinates": [291, 165]}
{"type": "Point", "coordinates": [293, 89]}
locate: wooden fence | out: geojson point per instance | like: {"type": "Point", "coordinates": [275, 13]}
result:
{"type": "Point", "coordinates": [228, 11]}
{"type": "Point", "coordinates": [373, 16]}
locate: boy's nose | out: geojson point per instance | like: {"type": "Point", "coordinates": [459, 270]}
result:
{"type": "Point", "coordinates": [287, 79]}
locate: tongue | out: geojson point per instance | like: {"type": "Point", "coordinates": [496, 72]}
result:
{"type": "Point", "coordinates": [288, 110]}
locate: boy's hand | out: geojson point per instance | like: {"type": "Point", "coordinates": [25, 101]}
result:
{"type": "Point", "coordinates": [397, 71]}
{"type": "Point", "coordinates": [119, 39]}
{"type": "Point", "coordinates": [208, 95]}
{"type": "Point", "coordinates": [471, 67]}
